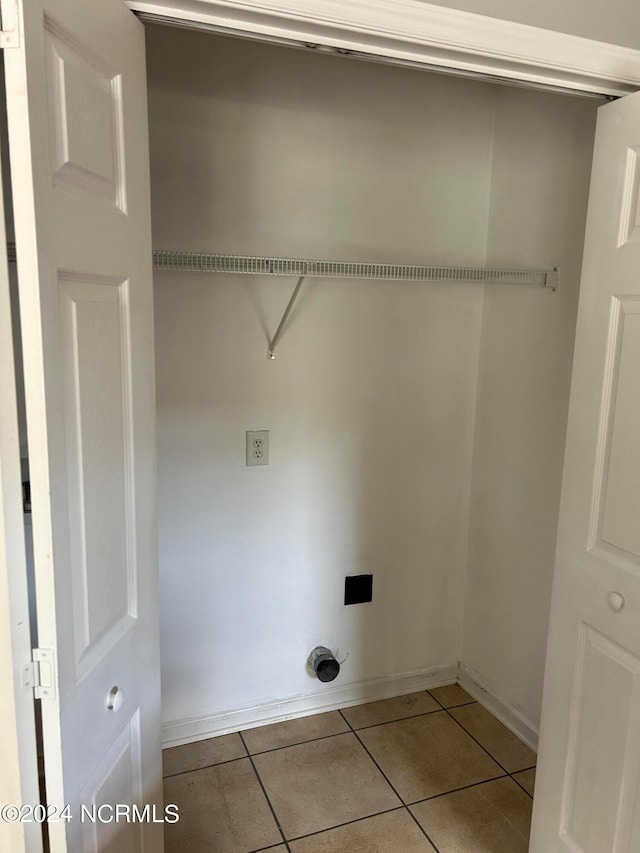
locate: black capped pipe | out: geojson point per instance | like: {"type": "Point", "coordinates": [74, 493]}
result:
{"type": "Point", "coordinates": [324, 664]}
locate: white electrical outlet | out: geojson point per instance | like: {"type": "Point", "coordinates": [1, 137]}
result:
{"type": "Point", "coordinates": [258, 447]}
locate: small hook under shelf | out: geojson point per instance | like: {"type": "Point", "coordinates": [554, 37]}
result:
{"type": "Point", "coordinates": [278, 333]}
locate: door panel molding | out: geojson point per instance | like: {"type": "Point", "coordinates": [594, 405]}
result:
{"type": "Point", "coordinates": [630, 213]}
{"type": "Point", "coordinates": [81, 85]}
{"type": "Point", "coordinates": [612, 479]}
{"type": "Point", "coordinates": [603, 760]}
{"type": "Point", "coordinates": [95, 345]}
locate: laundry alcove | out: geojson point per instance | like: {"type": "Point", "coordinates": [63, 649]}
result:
{"type": "Point", "coordinates": [381, 497]}
{"type": "Point", "coordinates": [417, 428]}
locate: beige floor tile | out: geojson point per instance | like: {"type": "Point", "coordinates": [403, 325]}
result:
{"type": "Point", "coordinates": [491, 818]}
{"type": "Point", "coordinates": [395, 832]}
{"type": "Point", "coordinates": [430, 755]}
{"type": "Point", "coordinates": [203, 753]}
{"type": "Point", "coordinates": [451, 695]}
{"type": "Point", "coordinates": [527, 778]}
{"type": "Point", "coordinates": [222, 809]}
{"type": "Point", "coordinates": [496, 738]}
{"type": "Point", "coordinates": [294, 731]}
{"type": "Point", "coordinates": [387, 710]}
{"type": "Point", "coordinates": [323, 783]}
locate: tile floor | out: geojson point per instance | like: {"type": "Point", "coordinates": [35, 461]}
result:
{"type": "Point", "coordinates": [429, 771]}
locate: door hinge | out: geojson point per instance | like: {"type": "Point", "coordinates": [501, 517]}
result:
{"type": "Point", "coordinates": [10, 32]}
{"type": "Point", "coordinates": [40, 674]}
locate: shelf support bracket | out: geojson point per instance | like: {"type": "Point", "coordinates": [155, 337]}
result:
{"type": "Point", "coordinates": [278, 333]}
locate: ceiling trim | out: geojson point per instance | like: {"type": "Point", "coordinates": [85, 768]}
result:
{"type": "Point", "coordinates": [414, 32]}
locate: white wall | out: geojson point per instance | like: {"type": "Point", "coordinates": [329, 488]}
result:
{"type": "Point", "coordinates": [541, 167]}
{"type": "Point", "coordinates": [371, 399]}
{"type": "Point", "coordinates": [616, 22]}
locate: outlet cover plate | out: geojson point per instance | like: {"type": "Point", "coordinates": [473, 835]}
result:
{"type": "Point", "coordinates": [257, 447]}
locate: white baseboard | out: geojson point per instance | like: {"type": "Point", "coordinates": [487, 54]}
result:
{"type": "Point", "coordinates": [177, 732]}
{"type": "Point", "coordinates": [499, 707]}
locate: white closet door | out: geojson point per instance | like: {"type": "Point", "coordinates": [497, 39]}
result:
{"type": "Point", "coordinates": [588, 787]}
{"type": "Point", "coordinates": [77, 114]}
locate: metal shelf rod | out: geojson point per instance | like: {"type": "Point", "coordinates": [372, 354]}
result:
{"type": "Point", "coordinates": [274, 340]}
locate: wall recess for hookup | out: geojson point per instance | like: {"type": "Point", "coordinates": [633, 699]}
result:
{"type": "Point", "coordinates": [358, 589]}
{"type": "Point", "coordinates": [257, 449]}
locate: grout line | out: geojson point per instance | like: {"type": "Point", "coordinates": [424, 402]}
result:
{"type": "Point", "coordinates": [457, 705]}
{"type": "Point", "coordinates": [387, 722]}
{"type": "Point", "coordinates": [264, 791]}
{"type": "Point", "coordinates": [423, 830]}
{"type": "Point", "coordinates": [297, 743]}
{"type": "Point", "coordinates": [384, 775]}
{"type": "Point", "coordinates": [492, 757]}
{"type": "Point", "coordinates": [204, 766]}
{"type": "Point", "coordinates": [522, 788]}
{"type": "Point", "coordinates": [399, 808]}
{"type": "Point", "coordinates": [353, 731]}
{"type": "Point", "coordinates": [512, 775]}
{"type": "Point", "coordinates": [249, 754]}
{"type": "Point", "coordinates": [456, 790]}
{"type": "Point", "coordinates": [509, 774]}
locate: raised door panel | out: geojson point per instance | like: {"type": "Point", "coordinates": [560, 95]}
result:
{"type": "Point", "coordinates": [85, 118]}
{"type": "Point", "coordinates": [620, 509]}
{"type": "Point", "coordinates": [599, 800]}
{"type": "Point", "coordinates": [116, 782]}
{"type": "Point", "coordinates": [630, 212]}
{"type": "Point", "coordinates": [94, 321]}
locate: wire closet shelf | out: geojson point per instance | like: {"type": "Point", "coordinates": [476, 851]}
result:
{"type": "Point", "coordinates": [302, 268]}
{"type": "Point", "coordinates": [247, 265]}
{"type": "Point", "coordinates": [204, 262]}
